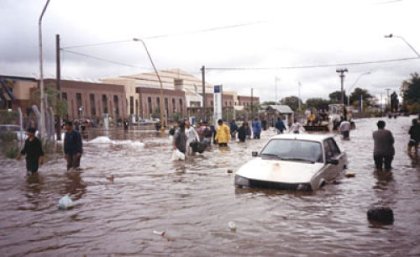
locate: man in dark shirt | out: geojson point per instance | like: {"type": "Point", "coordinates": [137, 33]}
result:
{"type": "Point", "coordinates": [414, 133]}
{"type": "Point", "coordinates": [73, 146]}
{"type": "Point", "coordinates": [33, 151]}
{"type": "Point", "coordinates": [383, 152]}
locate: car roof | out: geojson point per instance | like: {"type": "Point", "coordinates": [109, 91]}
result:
{"type": "Point", "coordinates": [309, 137]}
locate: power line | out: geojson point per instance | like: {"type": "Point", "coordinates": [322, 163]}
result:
{"type": "Point", "coordinates": [167, 35]}
{"type": "Point", "coordinates": [97, 44]}
{"type": "Point", "coordinates": [310, 66]}
{"type": "Point", "coordinates": [99, 58]}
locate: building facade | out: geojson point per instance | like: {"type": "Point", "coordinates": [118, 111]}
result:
{"type": "Point", "coordinates": [86, 100]}
{"type": "Point", "coordinates": [173, 103]}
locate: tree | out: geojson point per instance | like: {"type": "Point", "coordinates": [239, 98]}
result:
{"type": "Point", "coordinates": [361, 93]}
{"type": "Point", "coordinates": [335, 97]}
{"type": "Point", "coordinates": [317, 103]}
{"type": "Point", "coordinates": [411, 95]}
{"type": "Point", "coordinates": [51, 94]}
{"type": "Point", "coordinates": [291, 101]}
{"type": "Point", "coordinates": [269, 103]}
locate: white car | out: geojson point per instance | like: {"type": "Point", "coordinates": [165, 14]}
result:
{"type": "Point", "coordinates": [294, 162]}
{"type": "Point", "coordinates": [13, 129]}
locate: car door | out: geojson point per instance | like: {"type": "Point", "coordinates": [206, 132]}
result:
{"type": "Point", "coordinates": [332, 152]}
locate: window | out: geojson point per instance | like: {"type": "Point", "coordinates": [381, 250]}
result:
{"type": "Point", "coordinates": [157, 103]}
{"type": "Point", "coordinates": [92, 104]}
{"type": "Point", "coordinates": [166, 105]}
{"type": "Point", "coordinates": [79, 104]}
{"type": "Point", "coordinates": [293, 150]}
{"type": "Point", "coordinates": [131, 105]}
{"type": "Point", "coordinates": [116, 106]}
{"type": "Point", "coordinates": [181, 106]}
{"type": "Point", "coordinates": [149, 104]}
{"type": "Point", "coordinates": [105, 103]}
{"type": "Point", "coordinates": [173, 105]}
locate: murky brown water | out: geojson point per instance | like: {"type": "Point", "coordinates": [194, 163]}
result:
{"type": "Point", "coordinates": [193, 202]}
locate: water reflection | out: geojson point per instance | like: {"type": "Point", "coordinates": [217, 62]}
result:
{"type": "Point", "coordinates": [74, 185]}
{"type": "Point", "coordinates": [33, 189]}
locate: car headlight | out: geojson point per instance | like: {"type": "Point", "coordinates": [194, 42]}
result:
{"type": "Point", "coordinates": [241, 181]}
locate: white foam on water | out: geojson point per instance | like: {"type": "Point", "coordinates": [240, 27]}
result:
{"type": "Point", "coordinates": [103, 140]}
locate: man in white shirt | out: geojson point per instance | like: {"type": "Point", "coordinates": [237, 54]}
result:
{"type": "Point", "coordinates": [344, 129]}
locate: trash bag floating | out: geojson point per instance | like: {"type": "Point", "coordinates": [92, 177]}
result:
{"type": "Point", "coordinates": [177, 155]}
{"type": "Point", "coordinates": [65, 202]}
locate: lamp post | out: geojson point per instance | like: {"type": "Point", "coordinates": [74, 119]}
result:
{"type": "Point", "coordinates": [358, 78]}
{"type": "Point", "coordinates": [405, 41]}
{"type": "Point", "coordinates": [341, 71]}
{"type": "Point", "coordinates": [161, 106]}
{"type": "Point", "coordinates": [41, 75]}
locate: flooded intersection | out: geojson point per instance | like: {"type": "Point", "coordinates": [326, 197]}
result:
{"type": "Point", "coordinates": [129, 191]}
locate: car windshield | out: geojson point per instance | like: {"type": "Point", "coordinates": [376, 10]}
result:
{"type": "Point", "coordinates": [294, 150]}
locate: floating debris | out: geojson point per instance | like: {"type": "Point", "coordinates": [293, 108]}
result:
{"type": "Point", "coordinates": [350, 175]}
{"type": "Point", "coordinates": [232, 226]}
{"type": "Point", "coordinates": [65, 202]}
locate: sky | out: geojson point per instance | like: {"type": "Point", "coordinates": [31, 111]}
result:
{"type": "Point", "coordinates": [278, 48]}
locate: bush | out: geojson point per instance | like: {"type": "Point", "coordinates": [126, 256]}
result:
{"type": "Point", "coordinates": [11, 151]}
{"type": "Point", "coordinates": [8, 136]}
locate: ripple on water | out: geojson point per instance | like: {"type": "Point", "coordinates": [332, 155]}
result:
{"type": "Point", "coordinates": [193, 202]}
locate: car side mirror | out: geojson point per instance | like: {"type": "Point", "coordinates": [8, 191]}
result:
{"type": "Point", "coordinates": [254, 154]}
{"type": "Point", "coordinates": [333, 161]}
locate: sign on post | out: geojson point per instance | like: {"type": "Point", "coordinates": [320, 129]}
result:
{"type": "Point", "coordinates": [217, 106]}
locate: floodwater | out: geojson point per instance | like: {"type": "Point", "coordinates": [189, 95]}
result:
{"type": "Point", "coordinates": [193, 202]}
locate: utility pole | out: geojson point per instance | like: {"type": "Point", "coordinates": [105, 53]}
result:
{"type": "Point", "coordinates": [387, 98]}
{"type": "Point", "coordinates": [203, 81]}
{"type": "Point", "coordinates": [58, 82]}
{"type": "Point", "coordinates": [341, 71]}
{"type": "Point", "coordinates": [252, 103]}
{"type": "Point", "coordinates": [43, 103]}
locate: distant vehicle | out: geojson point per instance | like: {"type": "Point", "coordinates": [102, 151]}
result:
{"type": "Point", "coordinates": [294, 162]}
{"type": "Point", "coordinates": [14, 130]}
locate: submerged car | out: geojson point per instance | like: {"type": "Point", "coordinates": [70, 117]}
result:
{"type": "Point", "coordinates": [294, 162]}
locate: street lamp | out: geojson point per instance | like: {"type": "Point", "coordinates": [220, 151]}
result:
{"type": "Point", "coordinates": [41, 74]}
{"type": "Point", "coordinates": [405, 41]}
{"type": "Point", "coordinates": [160, 82]}
{"type": "Point", "coordinates": [341, 71]}
{"type": "Point", "coordinates": [358, 78]}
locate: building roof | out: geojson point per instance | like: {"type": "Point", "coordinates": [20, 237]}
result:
{"type": "Point", "coordinates": [280, 108]}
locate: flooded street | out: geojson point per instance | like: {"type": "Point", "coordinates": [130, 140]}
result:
{"type": "Point", "coordinates": [192, 202]}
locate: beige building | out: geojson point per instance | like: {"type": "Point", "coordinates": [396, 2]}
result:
{"type": "Point", "coordinates": [16, 92]}
{"type": "Point", "coordinates": [172, 80]}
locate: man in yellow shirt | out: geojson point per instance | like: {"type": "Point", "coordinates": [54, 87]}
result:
{"type": "Point", "coordinates": [222, 134]}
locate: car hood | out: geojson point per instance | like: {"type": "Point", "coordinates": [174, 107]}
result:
{"type": "Point", "coordinates": [279, 171]}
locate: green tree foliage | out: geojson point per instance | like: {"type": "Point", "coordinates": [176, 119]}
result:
{"type": "Point", "coordinates": [269, 103]}
{"type": "Point", "coordinates": [412, 94]}
{"type": "Point", "coordinates": [317, 103]}
{"type": "Point", "coordinates": [51, 94]}
{"type": "Point", "coordinates": [335, 97]}
{"type": "Point", "coordinates": [363, 93]}
{"type": "Point", "coordinates": [291, 101]}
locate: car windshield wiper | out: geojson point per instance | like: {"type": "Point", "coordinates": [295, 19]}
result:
{"type": "Point", "coordinates": [296, 159]}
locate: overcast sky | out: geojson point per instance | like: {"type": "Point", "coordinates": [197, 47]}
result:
{"type": "Point", "coordinates": [244, 44]}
